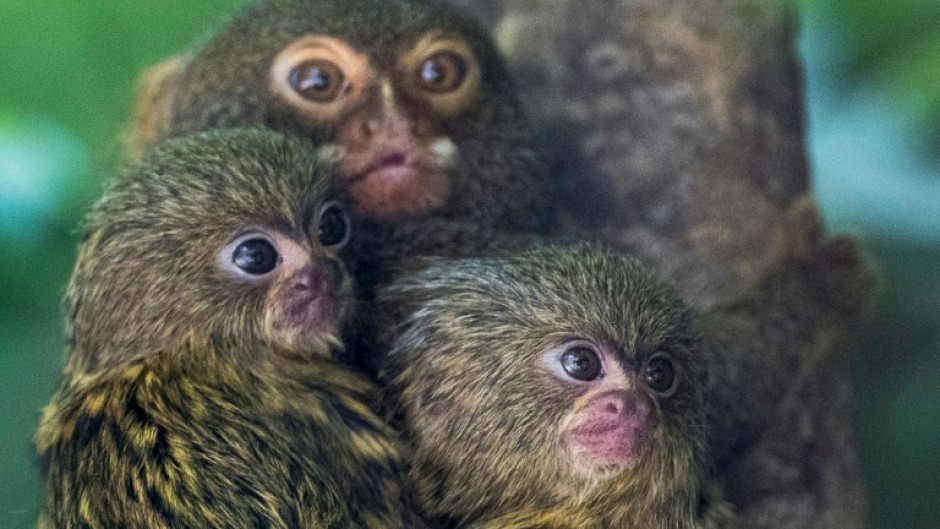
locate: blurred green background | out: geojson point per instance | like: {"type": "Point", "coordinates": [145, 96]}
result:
{"type": "Point", "coordinates": [873, 94]}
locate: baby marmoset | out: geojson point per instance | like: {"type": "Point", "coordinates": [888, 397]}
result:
{"type": "Point", "coordinates": [560, 387]}
{"type": "Point", "coordinates": [203, 387]}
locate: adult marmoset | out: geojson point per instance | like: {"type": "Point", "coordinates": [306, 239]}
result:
{"type": "Point", "coordinates": [560, 387]}
{"type": "Point", "coordinates": [409, 97]}
{"type": "Point", "coordinates": [203, 385]}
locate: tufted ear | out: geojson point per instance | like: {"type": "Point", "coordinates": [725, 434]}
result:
{"type": "Point", "coordinates": [153, 105]}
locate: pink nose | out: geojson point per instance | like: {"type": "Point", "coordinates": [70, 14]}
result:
{"type": "Point", "coordinates": [617, 403]}
{"type": "Point", "coordinates": [306, 279]}
{"type": "Point", "coordinates": [609, 428]}
{"type": "Point", "coordinates": [394, 124]}
{"type": "Point", "coordinates": [323, 276]}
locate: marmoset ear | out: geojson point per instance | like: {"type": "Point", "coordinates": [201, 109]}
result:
{"type": "Point", "coordinates": [153, 105]}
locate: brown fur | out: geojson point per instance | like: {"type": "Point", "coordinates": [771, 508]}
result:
{"type": "Point", "coordinates": [465, 338]}
{"type": "Point", "coordinates": [187, 402]}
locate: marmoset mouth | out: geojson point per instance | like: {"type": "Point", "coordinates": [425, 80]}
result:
{"type": "Point", "coordinates": [398, 184]}
{"type": "Point", "coordinates": [392, 167]}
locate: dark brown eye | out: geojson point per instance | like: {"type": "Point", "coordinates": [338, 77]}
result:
{"type": "Point", "coordinates": [660, 375]}
{"type": "Point", "coordinates": [317, 80]}
{"type": "Point", "coordinates": [333, 226]}
{"type": "Point", "coordinates": [581, 363]}
{"type": "Point", "coordinates": [255, 256]}
{"type": "Point", "coordinates": [442, 72]}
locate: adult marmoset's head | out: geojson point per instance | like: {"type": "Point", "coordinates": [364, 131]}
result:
{"type": "Point", "coordinates": [409, 97]}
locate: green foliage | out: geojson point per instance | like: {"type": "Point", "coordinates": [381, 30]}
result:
{"type": "Point", "coordinates": [75, 62]}
{"type": "Point", "coordinates": [893, 46]}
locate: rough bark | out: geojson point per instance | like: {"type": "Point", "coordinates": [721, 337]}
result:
{"type": "Point", "coordinates": [675, 127]}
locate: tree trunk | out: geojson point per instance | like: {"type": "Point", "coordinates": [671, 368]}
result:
{"type": "Point", "coordinates": [675, 128]}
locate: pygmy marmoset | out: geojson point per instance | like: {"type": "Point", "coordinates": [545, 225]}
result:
{"type": "Point", "coordinates": [556, 388]}
{"type": "Point", "coordinates": [203, 385]}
